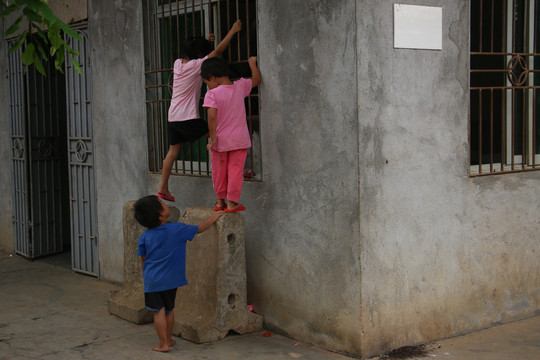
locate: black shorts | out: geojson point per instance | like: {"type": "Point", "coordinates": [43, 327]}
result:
{"type": "Point", "coordinates": [186, 131]}
{"type": "Point", "coordinates": [154, 301]}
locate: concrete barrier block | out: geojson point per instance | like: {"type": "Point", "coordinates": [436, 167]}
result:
{"type": "Point", "coordinates": [215, 300]}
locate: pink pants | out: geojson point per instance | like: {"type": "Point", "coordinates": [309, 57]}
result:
{"type": "Point", "coordinates": [228, 173]}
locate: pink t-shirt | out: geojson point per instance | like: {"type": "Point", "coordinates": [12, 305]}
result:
{"type": "Point", "coordinates": [232, 132]}
{"type": "Point", "coordinates": [186, 90]}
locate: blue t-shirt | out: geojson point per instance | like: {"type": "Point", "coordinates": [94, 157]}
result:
{"type": "Point", "coordinates": [164, 248]}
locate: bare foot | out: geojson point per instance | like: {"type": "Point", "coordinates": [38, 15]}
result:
{"type": "Point", "coordinates": [220, 205]}
{"type": "Point", "coordinates": [161, 348]}
{"type": "Point", "coordinates": [172, 342]}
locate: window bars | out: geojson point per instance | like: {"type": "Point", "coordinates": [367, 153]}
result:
{"type": "Point", "coordinates": [167, 24]}
{"type": "Point", "coordinates": [504, 59]}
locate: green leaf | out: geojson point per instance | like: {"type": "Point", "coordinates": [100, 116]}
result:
{"type": "Point", "coordinates": [69, 31]}
{"type": "Point", "coordinates": [19, 42]}
{"type": "Point", "coordinates": [39, 65]}
{"type": "Point", "coordinates": [55, 40]}
{"type": "Point", "coordinates": [15, 26]}
{"type": "Point", "coordinates": [71, 51]}
{"type": "Point", "coordinates": [44, 9]}
{"type": "Point", "coordinates": [32, 15]}
{"type": "Point", "coordinates": [59, 60]}
{"type": "Point", "coordinates": [27, 57]}
{"type": "Point", "coordinates": [54, 30]}
{"type": "Point", "coordinates": [76, 65]}
{"type": "Point", "coordinates": [41, 51]}
{"type": "Point", "coordinates": [41, 34]}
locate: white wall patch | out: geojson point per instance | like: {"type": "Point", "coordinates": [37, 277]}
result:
{"type": "Point", "coordinates": [417, 27]}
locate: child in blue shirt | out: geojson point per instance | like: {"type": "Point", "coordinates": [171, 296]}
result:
{"type": "Point", "coordinates": [162, 248]}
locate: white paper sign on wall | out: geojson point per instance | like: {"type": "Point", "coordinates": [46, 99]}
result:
{"type": "Point", "coordinates": [417, 27]}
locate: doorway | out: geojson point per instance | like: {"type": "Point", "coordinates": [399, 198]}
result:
{"type": "Point", "coordinates": [39, 160]}
{"type": "Point", "coordinates": [52, 160]}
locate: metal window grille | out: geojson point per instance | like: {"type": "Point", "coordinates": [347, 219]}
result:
{"type": "Point", "coordinates": [504, 60]}
{"type": "Point", "coordinates": [167, 24]}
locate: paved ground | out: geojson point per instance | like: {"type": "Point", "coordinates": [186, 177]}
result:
{"type": "Point", "coordinates": [49, 312]}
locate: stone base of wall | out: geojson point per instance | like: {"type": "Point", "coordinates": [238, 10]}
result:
{"type": "Point", "coordinates": [215, 300]}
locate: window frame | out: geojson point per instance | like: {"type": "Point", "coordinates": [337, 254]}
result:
{"type": "Point", "coordinates": [519, 78]}
{"type": "Point", "coordinates": [216, 16]}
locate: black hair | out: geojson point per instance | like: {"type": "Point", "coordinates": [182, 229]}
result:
{"type": "Point", "coordinates": [197, 47]}
{"type": "Point", "coordinates": [214, 67]}
{"type": "Point", "coordinates": [147, 211]}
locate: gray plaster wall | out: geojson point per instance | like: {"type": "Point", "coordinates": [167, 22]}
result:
{"type": "Point", "coordinates": [119, 120]}
{"type": "Point", "coordinates": [6, 179]}
{"type": "Point", "coordinates": [305, 263]}
{"type": "Point", "coordinates": [442, 253]}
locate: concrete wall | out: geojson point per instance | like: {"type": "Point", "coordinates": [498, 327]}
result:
{"type": "Point", "coordinates": [119, 120]}
{"type": "Point", "coordinates": [305, 258]}
{"type": "Point", "coordinates": [69, 11]}
{"type": "Point", "coordinates": [6, 178]}
{"type": "Point", "coordinates": [442, 253]}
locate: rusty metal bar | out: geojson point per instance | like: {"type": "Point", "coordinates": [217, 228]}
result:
{"type": "Point", "coordinates": [502, 87]}
{"type": "Point", "coordinates": [504, 172]}
{"type": "Point", "coordinates": [502, 53]}
{"type": "Point", "coordinates": [480, 132]}
{"type": "Point", "coordinates": [492, 23]}
{"type": "Point", "coordinates": [193, 18]}
{"type": "Point", "coordinates": [534, 90]}
{"type": "Point", "coordinates": [512, 129]}
{"type": "Point", "coordinates": [534, 130]}
{"type": "Point", "coordinates": [228, 25]}
{"type": "Point", "coordinates": [481, 27]}
{"type": "Point", "coordinates": [523, 129]}
{"type": "Point", "coordinates": [171, 55]}
{"type": "Point", "coordinates": [178, 39]}
{"type": "Point", "coordinates": [210, 18]}
{"type": "Point", "coordinates": [491, 130]}
{"type": "Point", "coordinates": [238, 54]}
{"type": "Point", "coordinates": [185, 19]}
{"type": "Point", "coordinates": [503, 130]}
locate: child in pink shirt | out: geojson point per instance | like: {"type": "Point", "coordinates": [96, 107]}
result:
{"type": "Point", "coordinates": [184, 122]}
{"type": "Point", "coordinates": [229, 134]}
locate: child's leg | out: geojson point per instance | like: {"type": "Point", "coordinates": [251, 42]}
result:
{"type": "Point", "coordinates": [171, 157]}
{"type": "Point", "coordinates": [235, 176]}
{"type": "Point", "coordinates": [170, 323]}
{"type": "Point", "coordinates": [160, 323]}
{"type": "Point", "coordinates": [219, 173]}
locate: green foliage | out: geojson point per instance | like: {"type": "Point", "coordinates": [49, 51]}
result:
{"type": "Point", "coordinates": [46, 45]}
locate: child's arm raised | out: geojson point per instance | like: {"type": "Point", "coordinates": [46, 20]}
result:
{"type": "Point", "coordinates": [255, 73]}
{"type": "Point", "coordinates": [208, 222]}
{"type": "Point", "coordinates": [237, 26]}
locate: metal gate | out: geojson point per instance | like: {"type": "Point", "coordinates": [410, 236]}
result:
{"type": "Point", "coordinates": [53, 169]}
{"type": "Point", "coordinates": [19, 155]}
{"type": "Point", "coordinates": [38, 122]}
{"type": "Point", "coordinates": [84, 234]}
